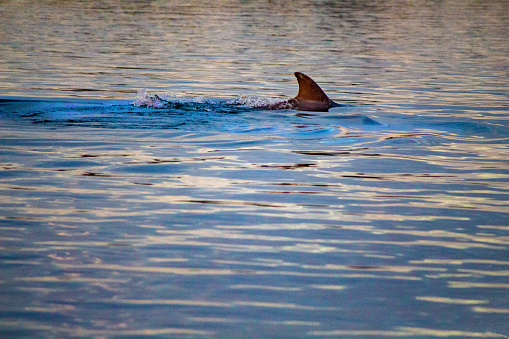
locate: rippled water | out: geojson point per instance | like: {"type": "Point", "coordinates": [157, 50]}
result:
{"type": "Point", "coordinates": [208, 217]}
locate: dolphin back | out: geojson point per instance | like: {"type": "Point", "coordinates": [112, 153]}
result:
{"type": "Point", "coordinates": [311, 97]}
{"type": "Point", "coordinates": [309, 89]}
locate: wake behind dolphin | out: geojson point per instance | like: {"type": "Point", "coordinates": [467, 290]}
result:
{"type": "Point", "coordinates": [309, 98]}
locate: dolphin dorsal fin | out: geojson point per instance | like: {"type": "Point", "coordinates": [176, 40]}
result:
{"type": "Point", "coordinates": [309, 90]}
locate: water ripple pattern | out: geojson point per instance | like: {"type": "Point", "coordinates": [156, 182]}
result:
{"type": "Point", "coordinates": [144, 191]}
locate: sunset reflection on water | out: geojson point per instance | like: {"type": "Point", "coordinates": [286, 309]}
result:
{"type": "Point", "coordinates": [386, 217]}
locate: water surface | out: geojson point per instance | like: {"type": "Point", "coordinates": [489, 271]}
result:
{"type": "Point", "coordinates": [208, 217]}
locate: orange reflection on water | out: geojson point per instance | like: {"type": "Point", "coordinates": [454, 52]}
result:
{"type": "Point", "coordinates": [490, 310]}
{"type": "Point", "coordinates": [452, 301]}
{"type": "Point", "coordinates": [407, 332]}
{"type": "Point", "coordinates": [467, 284]}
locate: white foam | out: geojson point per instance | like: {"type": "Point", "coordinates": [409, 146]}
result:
{"type": "Point", "coordinates": [143, 99]}
{"type": "Point", "coordinates": [254, 101]}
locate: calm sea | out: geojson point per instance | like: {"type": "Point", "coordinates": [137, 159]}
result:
{"type": "Point", "coordinates": [206, 217]}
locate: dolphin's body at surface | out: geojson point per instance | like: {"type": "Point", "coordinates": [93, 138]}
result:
{"type": "Point", "coordinates": [310, 97]}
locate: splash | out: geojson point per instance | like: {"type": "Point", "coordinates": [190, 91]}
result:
{"type": "Point", "coordinates": [254, 101]}
{"type": "Point", "coordinates": [170, 100]}
{"type": "Point", "coordinates": [143, 99]}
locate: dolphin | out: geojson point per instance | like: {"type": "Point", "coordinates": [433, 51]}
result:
{"type": "Point", "coordinates": [310, 97]}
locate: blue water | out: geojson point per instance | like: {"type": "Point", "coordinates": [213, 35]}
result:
{"type": "Point", "coordinates": [206, 216]}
